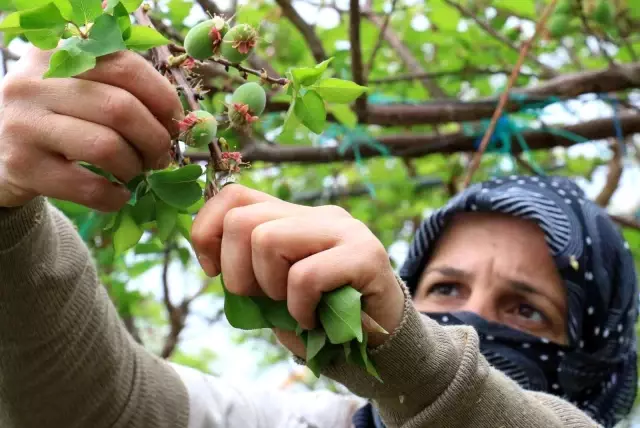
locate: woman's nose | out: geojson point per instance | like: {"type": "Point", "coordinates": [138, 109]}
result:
{"type": "Point", "coordinates": [482, 304]}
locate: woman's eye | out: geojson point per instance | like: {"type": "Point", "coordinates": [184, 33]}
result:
{"type": "Point", "coordinates": [445, 289]}
{"type": "Point", "coordinates": [530, 313]}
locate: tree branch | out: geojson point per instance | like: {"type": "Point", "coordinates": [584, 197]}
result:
{"type": "Point", "coordinates": [241, 68]}
{"type": "Point", "coordinates": [548, 71]}
{"type": "Point", "coordinates": [613, 176]}
{"type": "Point", "coordinates": [314, 43]}
{"type": "Point", "coordinates": [413, 145]}
{"type": "Point", "coordinates": [622, 77]}
{"type": "Point", "coordinates": [356, 57]}
{"type": "Point", "coordinates": [332, 195]}
{"type": "Point", "coordinates": [462, 72]}
{"type": "Point", "coordinates": [412, 64]}
{"type": "Point", "coordinates": [381, 38]}
{"type": "Point", "coordinates": [475, 162]}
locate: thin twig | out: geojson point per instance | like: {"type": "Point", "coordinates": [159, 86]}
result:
{"type": "Point", "coordinates": [464, 71]}
{"type": "Point", "coordinates": [241, 68]}
{"type": "Point", "coordinates": [613, 176]}
{"type": "Point", "coordinates": [548, 71]}
{"type": "Point", "coordinates": [307, 31]}
{"type": "Point", "coordinates": [407, 57]}
{"type": "Point", "coordinates": [475, 162]}
{"type": "Point", "coordinates": [590, 31]}
{"type": "Point", "coordinates": [356, 57]}
{"type": "Point", "coordinates": [380, 40]}
{"type": "Point", "coordinates": [165, 278]}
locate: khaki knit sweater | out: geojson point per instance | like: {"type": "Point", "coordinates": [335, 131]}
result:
{"type": "Point", "coordinates": [66, 360]}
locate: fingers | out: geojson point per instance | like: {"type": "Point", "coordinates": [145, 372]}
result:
{"type": "Point", "coordinates": [69, 181]}
{"type": "Point", "coordinates": [206, 233]}
{"type": "Point", "coordinates": [110, 107]}
{"type": "Point", "coordinates": [79, 140]}
{"type": "Point", "coordinates": [236, 245]}
{"type": "Point", "coordinates": [132, 73]}
{"type": "Point", "coordinates": [276, 245]}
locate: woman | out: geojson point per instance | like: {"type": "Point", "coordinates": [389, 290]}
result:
{"type": "Point", "coordinates": [67, 361]}
{"type": "Point", "coordinates": [571, 332]}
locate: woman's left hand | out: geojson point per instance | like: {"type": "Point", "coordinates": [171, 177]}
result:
{"type": "Point", "coordinates": [265, 246]}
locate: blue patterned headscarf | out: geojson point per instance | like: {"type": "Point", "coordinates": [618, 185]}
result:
{"type": "Point", "coordinates": [597, 370]}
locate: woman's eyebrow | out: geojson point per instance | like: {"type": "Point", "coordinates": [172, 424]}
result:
{"type": "Point", "coordinates": [524, 287]}
{"type": "Point", "coordinates": [449, 271]}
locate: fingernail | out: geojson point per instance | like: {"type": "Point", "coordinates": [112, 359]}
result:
{"type": "Point", "coordinates": [208, 266]}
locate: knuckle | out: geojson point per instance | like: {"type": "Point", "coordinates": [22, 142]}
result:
{"type": "Point", "coordinates": [333, 210]}
{"type": "Point", "coordinates": [103, 147]}
{"type": "Point", "coordinates": [15, 87]}
{"type": "Point", "coordinates": [263, 237]}
{"type": "Point", "coordinates": [93, 190]}
{"type": "Point", "coordinates": [302, 277]}
{"type": "Point", "coordinates": [116, 106]}
{"type": "Point", "coordinates": [16, 159]}
{"type": "Point", "coordinates": [237, 221]}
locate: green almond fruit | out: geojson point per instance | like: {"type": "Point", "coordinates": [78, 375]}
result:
{"type": "Point", "coordinates": [251, 94]}
{"type": "Point", "coordinates": [243, 34]}
{"type": "Point", "coordinates": [198, 42]}
{"type": "Point", "coordinates": [203, 132]}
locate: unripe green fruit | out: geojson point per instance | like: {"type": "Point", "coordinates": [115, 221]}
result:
{"type": "Point", "coordinates": [204, 131]}
{"type": "Point", "coordinates": [238, 43]}
{"type": "Point", "coordinates": [251, 94]}
{"type": "Point", "coordinates": [565, 7]}
{"type": "Point", "coordinates": [199, 42]}
{"type": "Point", "coordinates": [604, 13]}
{"type": "Point", "coordinates": [558, 25]}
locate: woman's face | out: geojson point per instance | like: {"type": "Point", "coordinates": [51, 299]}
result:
{"type": "Point", "coordinates": [499, 267]}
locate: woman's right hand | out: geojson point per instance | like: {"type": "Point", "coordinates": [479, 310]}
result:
{"type": "Point", "coordinates": [119, 117]}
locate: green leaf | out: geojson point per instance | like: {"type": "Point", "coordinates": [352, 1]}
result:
{"type": "Point", "coordinates": [339, 313]}
{"type": "Point", "coordinates": [167, 217]}
{"type": "Point", "coordinates": [139, 268]}
{"type": "Point", "coordinates": [144, 211]}
{"type": "Point", "coordinates": [152, 247]}
{"type": "Point", "coordinates": [105, 37]}
{"type": "Point", "coordinates": [186, 174]}
{"type": "Point", "coordinates": [307, 76]}
{"type": "Point", "coordinates": [242, 312]}
{"type": "Point", "coordinates": [65, 64]}
{"type": "Point", "coordinates": [124, 21]}
{"type": "Point", "coordinates": [311, 111]}
{"type": "Point", "coordinates": [291, 122]}
{"type": "Point", "coordinates": [179, 10]}
{"type": "Point", "coordinates": [143, 38]}
{"type": "Point", "coordinates": [131, 5]}
{"type": "Point", "coordinates": [41, 18]}
{"type": "Point", "coordinates": [324, 357]}
{"type": "Point", "coordinates": [339, 91]}
{"type": "Point", "coordinates": [316, 340]}
{"type": "Point", "coordinates": [360, 357]}
{"type": "Point", "coordinates": [344, 114]}
{"type": "Point", "coordinates": [184, 224]}
{"type": "Point", "coordinates": [45, 39]}
{"type": "Point", "coordinates": [179, 195]}
{"type": "Point", "coordinates": [184, 255]}
{"type": "Point", "coordinates": [85, 11]}
{"type": "Point", "coordinates": [276, 312]}
{"type": "Point", "coordinates": [127, 234]}
{"type": "Point", "coordinates": [11, 22]}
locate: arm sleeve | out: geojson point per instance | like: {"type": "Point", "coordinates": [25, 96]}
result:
{"type": "Point", "coordinates": [436, 376]}
{"type": "Point", "coordinates": [66, 360]}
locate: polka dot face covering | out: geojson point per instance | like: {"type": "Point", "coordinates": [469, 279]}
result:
{"type": "Point", "coordinates": [597, 369]}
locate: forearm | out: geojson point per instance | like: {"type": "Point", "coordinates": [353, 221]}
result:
{"type": "Point", "coordinates": [436, 376]}
{"type": "Point", "coordinates": [66, 360]}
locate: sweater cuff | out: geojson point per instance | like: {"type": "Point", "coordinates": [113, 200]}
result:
{"type": "Point", "coordinates": [416, 364]}
{"type": "Point", "coordinates": [16, 223]}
